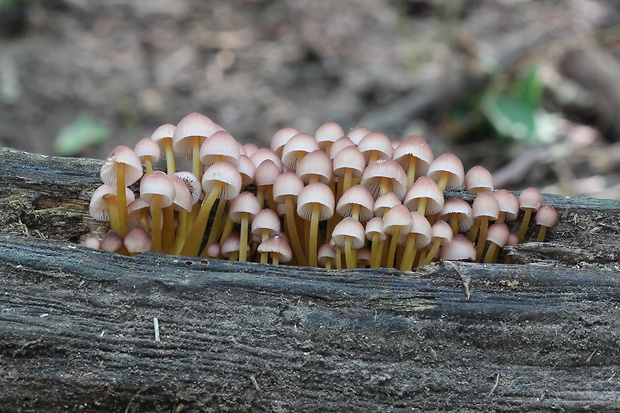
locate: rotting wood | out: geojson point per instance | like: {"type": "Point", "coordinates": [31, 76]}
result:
{"type": "Point", "coordinates": [77, 326]}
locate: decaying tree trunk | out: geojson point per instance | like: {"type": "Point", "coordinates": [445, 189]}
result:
{"type": "Point", "coordinates": [84, 330]}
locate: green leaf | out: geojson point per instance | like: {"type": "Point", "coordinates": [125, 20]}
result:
{"type": "Point", "coordinates": [511, 117]}
{"type": "Point", "coordinates": [528, 88]}
{"type": "Point", "coordinates": [76, 137]}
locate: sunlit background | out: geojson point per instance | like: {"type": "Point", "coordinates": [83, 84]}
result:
{"type": "Point", "coordinates": [528, 89]}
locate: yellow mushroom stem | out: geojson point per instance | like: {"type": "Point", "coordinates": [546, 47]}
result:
{"type": "Point", "coordinates": [454, 224]}
{"type": "Point", "coordinates": [243, 248]}
{"type": "Point", "coordinates": [197, 232]}
{"type": "Point", "coordinates": [292, 229]}
{"type": "Point", "coordinates": [349, 253]}
{"type": "Point", "coordinates": [121, 200]}
{"type": "Point", "coordinates": [275, 258]}
{"type": "Point", "coordinates": [314, 235]}
{"type": "Point", "coordinates": [329, 263]}
{"type": "Point", "coordinates": [196, 165]}
{"type": "Point", "coordinates": [482, 239]}
{"type": "Point", "coordinates": [410, 253]}
{"type": "Point", "coordinates": [264, 237]}
{"type": "Point", "coordinates": [411, 168]}
{"type": "Point", "coordinates": [218, 223]}
{"type": "Point", "coordinates": [113, 211]}
{"type": "Point", "coordinates": [228, 228]}
{"type": "Point", "coordinates": [491, 253]}
{"type": "Point", "coordinates": [170, 163]}
{"type": "Point", "coordinates": [541, 233]}
{"type": "Point", "coordinates": [392, 249]}
{"type": "Point", "coordinates": [436, 243]}
{"type": "Point", "coordinates": [338, 257]}
{"type": "Point", "coordinates": [156, 224]}
{"type": "Point", "coordinates": [473, 231]}
{"type": "Point", "coordinates": [422, 206]}
{"type": "Point", "coordinates": [524, 224]}
{"type": "Point", "coordinates": [443, 180]}
{"type": "Point", "coordinates": [181, 231]}
{"type": "Point", "coordinates": [167, 238]}
{"type": "Point", "coordinates": [375, 257]}
{"type": "Point", "coordinates": [385, 185]}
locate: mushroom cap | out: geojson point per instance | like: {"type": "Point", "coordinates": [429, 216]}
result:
{"type": "Point", "coordinates": [99, 201]}
{"type": "Point", "coordinates": [485, 205]}
{"type": "Point", "coordinates": [125, 155]}
{"type": "Point", "coordinates": [424, 187]}
{"type": "Point", "coordinates": [266, 220]}
{"type": "Point", "coordinates": [316, 193]}
{"type": "Point", "coordinates": [213, 250]}
{"type": "Point", "coordinates": [192, 183]}
{"type": "Point", "coordinates": [441, 230]}
{"type": "Point", "coordinates": [356, 195]}
{"type": "Point", "coordinates": [340, 144]}
{"type": "Point", "coordinates": [498, 234]}
{"type": "Point", "coordinates": [325, 252]}
{"type": "Point", "coordinates": [163, 133]}
{"type": "Point", "coordinates": [249, 148]}
{"type": "Point", "coordinates": [280, 138]}
{"type": "Point", "coordinates": [363, 257]}
{"type": "Point", "coordinates": [459, 249]}
{"type": "Point", "coordinates": [421, 227]}
{"type": "Point", "coordinates": [137, 240]}
{"type": "Point", "coordinates": [231, 244]}
{"type": "Point", "coordinates": [147, 148]}
{"type": "Point", "coordinates": [508, 204]}
{"type": "Point", "coordinates": [478, 179]}
{"type": "Point", "coordinates": [111, 241]}
{"type": "Point", "coordinates": [264, 154]}
{"type": "Point", "coordinates": [194, 124]}
{"type": "Point", "coordinates": [222, 172]}
{"type": "Point", "coordinates": [546, 216]}
{"type": "Point", "coordinates": [158, 183]}
{"type": "Point", "coordinates": [298, 146]}
{"type": "Point", "coordinates": [461, 209]}
{"type": "Point", "coordinates": [376, 142]}
{"type": "Point", "coordinates": [384, 203]}
{"type": "Point", "coordinates": [245, 203]}
{"type": "Point", "coordinates": [351, 158]}
{"type": "Point", "coordinates": [277, 244]}
{"type": "Point", "coordinates": [412, 148]}
{"type": "Point", "coordinates": [400, 217]}
{"type": "Point", "coordinates": [247, 169]}
{"type": "Point", "coordinates": [375, 226]}
{"type": "Point", "coordinates": [450, 163]}
{"type": "Point", "coordinates": [266, 173]}
{"type": "Point", "coordinates": [287, 184]}
{"type": "Point", "coordinates": [316, 164]}
{"type": "Point", "coordinates": [92, 241]}
{"type": "Point", "coordinates": [385, 170]}
{"type": "Point", "coordinates": [353, 230]}
{"type": "Point", "coordinates": [220, 144]}
{"type": "Point", "coordinates": [357, 133]}
{"type": "Point", "coordinates": [135, 208]}
{"type": "Point", "coordinates": [183, 198]}
{"type": "Point", "coordinates": [328, 133]}
{"type": "Point", "coordinates": [530, 198]}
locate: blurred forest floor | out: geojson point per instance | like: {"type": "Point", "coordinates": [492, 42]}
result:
{"type": "Point", "coordinates": [528, 89]}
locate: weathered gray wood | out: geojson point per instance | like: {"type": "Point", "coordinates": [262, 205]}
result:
{"type": "Point", "coordinates": [77, 326]}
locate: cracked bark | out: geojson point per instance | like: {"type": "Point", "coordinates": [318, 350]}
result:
{"type": "Point", "coordinates": [77, 326]}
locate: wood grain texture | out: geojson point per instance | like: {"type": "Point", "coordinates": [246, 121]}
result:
{"type": "Point", "coordinates": [77, 326]}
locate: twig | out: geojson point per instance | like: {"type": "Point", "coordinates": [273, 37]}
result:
{"type": "Point", "coordinates": [495, 385]}
{"type": "Point", "coordinates": [156, 326]}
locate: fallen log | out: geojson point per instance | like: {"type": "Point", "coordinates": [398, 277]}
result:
{"type": "Point", "coordinates": [84, 330]}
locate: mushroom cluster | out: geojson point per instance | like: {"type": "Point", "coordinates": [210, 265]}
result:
{"type": "Point", "coordinates": [330, 199]}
